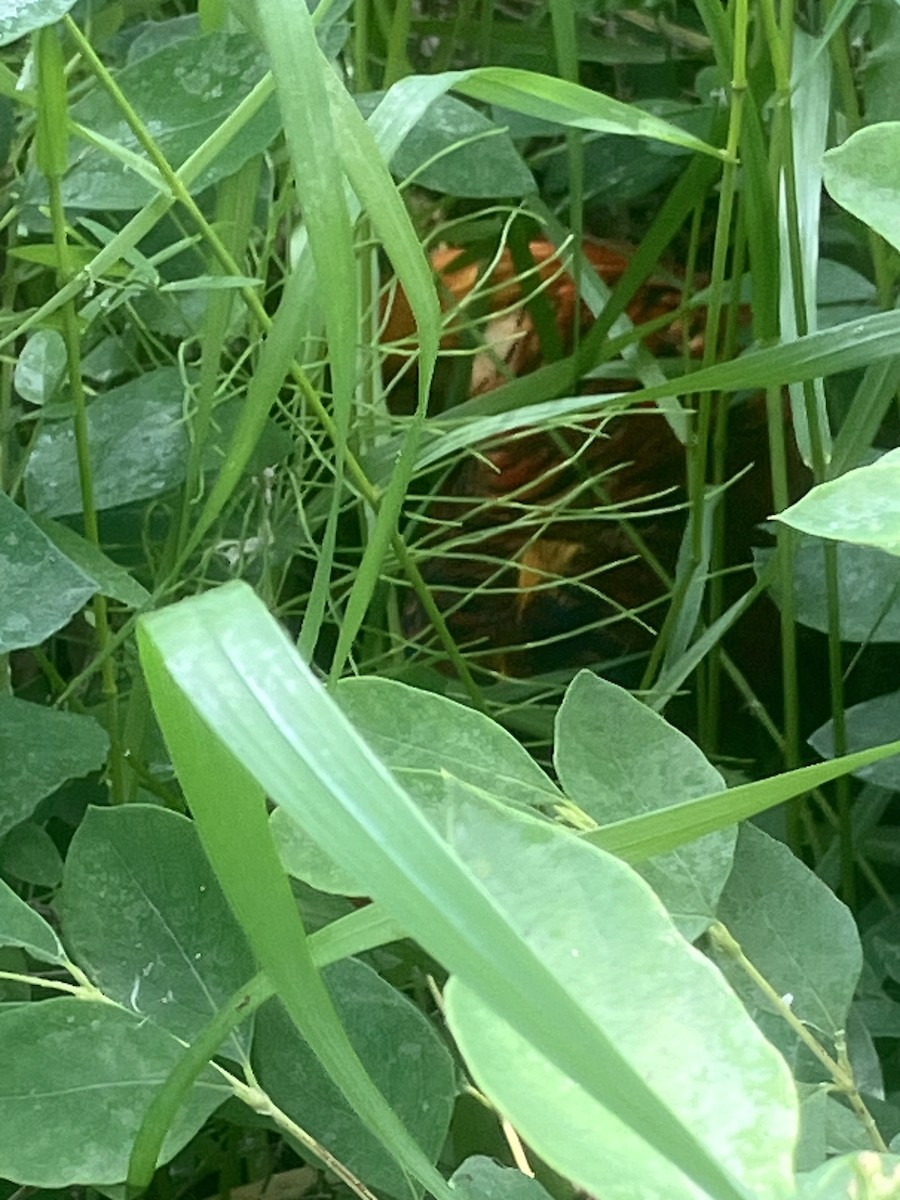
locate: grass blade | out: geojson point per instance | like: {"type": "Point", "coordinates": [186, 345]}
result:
{"type": "Point", "coordinates": [220, 663]}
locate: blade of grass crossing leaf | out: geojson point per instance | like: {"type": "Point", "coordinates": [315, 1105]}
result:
{"type": "Point", "coordinates": [840, 348]}
{"type": "Point", "coordinates": [223, 653]}
{"type": "Point", "coordinates": [561, 377]}
{"type": "Point", "coordinates": [676, 671]}
{"type": "Point", "coordinates": [240, 847]}
{"type": "Point", "coordinates": [569, 104]}
{"type": "Point", "coordinates": [694, 182]}
{"type": "Point", "coordinates": [165, 1104]}
{"type": "Point", "coordinates": [364, 163]}
{"type": "Point", "coordinates": [234, 203]}
{"type": "Point", "coordinates": [557, 100]}
{"type": "Point", "coordinates": [837, 15]}
{"type": "Point", "coordinates": [641, 837]}
{"type": "Point", "coordinates": [242, 446]}
{"type": "Point", "coordinates": [358, 931]}
{"type": "Point", "coordinates": [596, 293]}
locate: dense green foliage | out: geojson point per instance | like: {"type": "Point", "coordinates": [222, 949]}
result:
{"type": "Point", "coordinates": [234, 697]}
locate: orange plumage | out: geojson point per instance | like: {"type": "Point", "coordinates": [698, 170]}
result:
{"type": "Point", "coordinates": [551, 549]}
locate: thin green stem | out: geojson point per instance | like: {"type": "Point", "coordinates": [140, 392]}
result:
{"type": "Point", "coordinates": [52, 156]}
{"type": "Point", "coordinates": [699, 443]}
{"type": "Point", "coordinates": [361, 47]}
{"type": "Point", "coordinates": [839, 1069]}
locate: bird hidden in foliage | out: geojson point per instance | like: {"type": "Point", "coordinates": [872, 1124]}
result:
{"type": "Point", "coordinates": [550, 549]}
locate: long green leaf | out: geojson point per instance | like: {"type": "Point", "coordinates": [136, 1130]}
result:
{"type": "Point", "coordinates": [570, 104]}
{"type": "Point", "coordinates": [844, 347]}
{"type": "Point", "coordinates": [237, 840]}
{"type": "Point", "coordinates": [220, 662]}
{"type": "Point", "coordinates": [656, 833]}
{"type": "Point", "coordinates": [542, 96]}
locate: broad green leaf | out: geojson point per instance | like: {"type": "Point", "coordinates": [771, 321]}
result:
{"type": "Point", "coordinates": [138, 441]}
{"type": "Point", "coordinates": [145, 917]}
{"type": "Point", "coordinates": [812, 1147]}
{"type": "Point", "coordinates": [41, 589]}
{"type": "Point", "coordinates": [865, 724]}
{"type": "Point", "coordinates": [303, 859]}
{"type": "Point", "coordinates": [111, 579]}
{"type": "Point", "coordinates": [182, 93]}
{"type": "Point", "coordinates": [13, 991]}
{"type": "Point", "coordinates": [21, 17]}
{"type": "Point", "coordinates": [76, 1079]}
{"type": "Point", "coordinates": [794, 930]}
{"type": "Point", "coordinates": [122, 245]}
{"type": "Point", "coordinates": [456, 150]}
{"type": "Point", "coordinates": [863, 176]}
{"type": "Point", "coordinates": [402, 1053]}
{"type": "Point", "coordinates": [29, 854]}
{"type": "Point", "coordinates": [153, 36]}
{"type": "Point", "coordinates": [40, 748]}
{"type": "Point", "coordinates": [21, 926]}
{"type": "Point", "coordinates": [41, 366]}
{"type": "Point", "coordinates": [860, 1176]}
{"type": "Point", "coordinates": [481, 1178]}
{"type": "Point", "coordinates": [246, 864]}
{"type": "Point", "coordinates": [220, 663]}
{"type": "Point", "coordinates": [667, 1010]}
{"type": "Point", "coordinates": [422, 737]}
{"type": "Point", "coordinates": [108, 360]}
{"type": "Point", "coordinates": [617, 759]}
{"type": "Point", "coordinates": [862, 506]}
{"type": "Point", "coordinates": [868, 588]}
{"type": "Point", "coordinates": [843, 294]}
{"type": "Point", "coordinates": [139, 446]}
